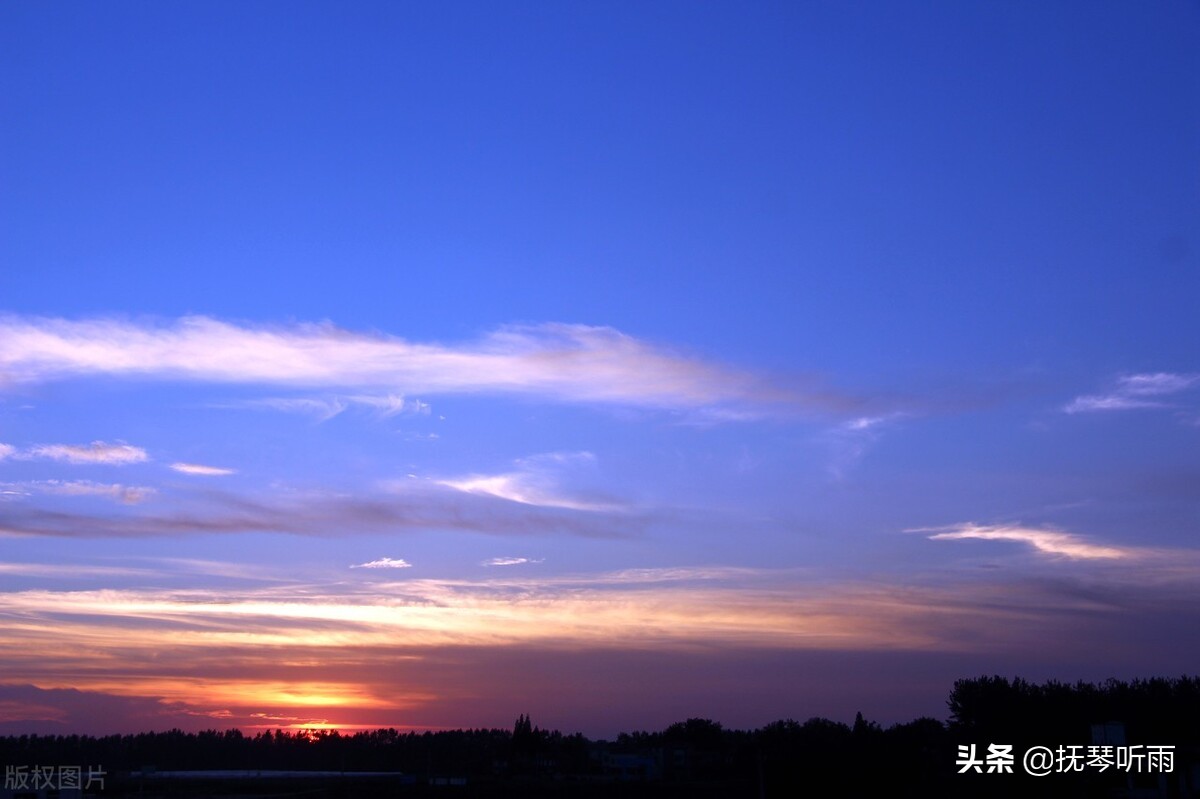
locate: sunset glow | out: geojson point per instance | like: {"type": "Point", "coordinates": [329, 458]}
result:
{"type": "Point", "coordinates": [429, 366]}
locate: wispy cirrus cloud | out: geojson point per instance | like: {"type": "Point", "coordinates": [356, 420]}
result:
{"type": "Point", "coordinates": [660, 608]}
{"type": "Point", "coordinates": [337, 651]}
{"type": "Point", "coordinates": [70, 570]}
{"type": "Point", "coordinates": [509, 561]}
{"type": "Point", "coordinates": [384, 563]}
{"type": "Point", "coordinates": [744, 607]}
{"type": "Point", "coordinates": [850, 440]}
{"type": "Point", "coordinates": [1135, 391]}
{"type": "Point", "coordinates": [323, 409]}
{"type": "Point", "coordinates": [1054, 543]}
{"type": "Point", "coordinates": [406, 508]}
{"type": "Point", "coordinates": [388, 405]}
{"type": "Point", "coordinates": [98, 452]}
{"type": "Point", "coordinates": [256, 572]}
{"type": "Point", "coordinates": [563, 362]}
{"type": "Point", "coordinates": [519, 487]}
{"type": "Point", "coordinates": [202, 470]}
{"type": "Point", "coordinates": [320, 408]}
{"type": "Point", "coordinates": [129, 495]}
{"type": "Point", "coordinates": [535, 481]}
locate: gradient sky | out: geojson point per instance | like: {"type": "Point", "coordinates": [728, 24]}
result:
{"type": "Point", "coordinates": [423, 365]}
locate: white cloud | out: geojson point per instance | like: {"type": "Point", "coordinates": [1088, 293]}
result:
{"type": "Point", "coordinates": [1134, 391]}
{"type": "Point", "coordinates": [323, 409]}
{"type": "Point", "coordinates": [199, 469]}
{"type": "Point", "coordinates": [384, 563]}
{"type": "Point", "coordinates": [863, 423]}
{"type": "Point", "coordinates": [388, 405]}
{"type": "Point", "coordinates": [1111, 402]}
{"type": "Point", "coordinates": [413, 435]}
{"type": "Point", "coordinates": [7, 451]}
{"type": "Point", "coordinates": [509, 561]}
{"type": "Point", "coordinates": [556, 458]}
{"type": "Point", "coordinates": [1046, 542]}
{"type": "Point", "coordinates": [518, 487]}
{"type": "Point", "coordinates": [573, 363]}
{"type": "Point", "coordinates": [97, 452]}
{"type": "Point", "coordinates": [1158, 383]}
{"type": "Point", "coordinates": [534, 483]}
{"type": "Point", "coordinates": [850, 440]}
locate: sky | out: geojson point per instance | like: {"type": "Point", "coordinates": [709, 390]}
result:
{"type": "Point", "coordinates": [425, 365]}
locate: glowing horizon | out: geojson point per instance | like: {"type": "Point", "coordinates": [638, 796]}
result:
{"type": "Point", "coordinates": [720, 362]}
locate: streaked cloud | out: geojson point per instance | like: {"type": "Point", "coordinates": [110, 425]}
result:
{"type": "Point", "coordinates": [98, 452]}
{"type": "Point", "coordinates": [863, 423]}
{"type": "Point", "coordinates": [564, 362]}
{"type": "Point", "coordinates": [202, 628]}
{"type": "Point", "coordinates": [61, 570]}
{"type": "Point", "coordinates": [322, 408]}
{"type": "Point", "coordinates": [129, 495]}
{"type": "Point", "coordinates": [162, 569]}
{"type": "Point", "coordinates": [384, 563]}
{"type": "Point", "coordinates": [1045, 541]}
{"type": "Point", "coordinates": [518, 487]}
{"type": "Point", "coordinates": [412, 435]}
{"type": "Point", "coordinates": [1135, 391]}
{"type": "Point", "coordinates": [509, 561]}
{"type": "Point", "coordinates": [1158, 383]}
{"type": "Point", "coordinates": [256, 572]}
{"type": "Point", "coordinates": [850, 441]}
{"type": "Point", "coordinates": [744, 608]}
{"type": "Point", "coordinates": [536, 481]}
{"type": "Point", "coordinates": [325, 408]}
{"type": "Point", "coordinates": [388, 405]}
{"type": "Point", "coordinates": [337, 650]}
{"type": "Point", "coordinates": [410, 506]}
{"type": "Point", "coordinates": [676, 574]}
{"type": "Point", "coordinates": [202, 470]}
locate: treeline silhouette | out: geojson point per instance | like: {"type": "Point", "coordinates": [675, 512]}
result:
{"type": "Point", "coordinates": [700, 757]}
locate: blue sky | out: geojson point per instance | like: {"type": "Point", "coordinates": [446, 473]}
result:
{"type": "Point", "coordinates": [428, 365]}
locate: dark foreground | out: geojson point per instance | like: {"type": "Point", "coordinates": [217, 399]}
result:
{"type": "Point", "coordinates": [1138, 739]}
